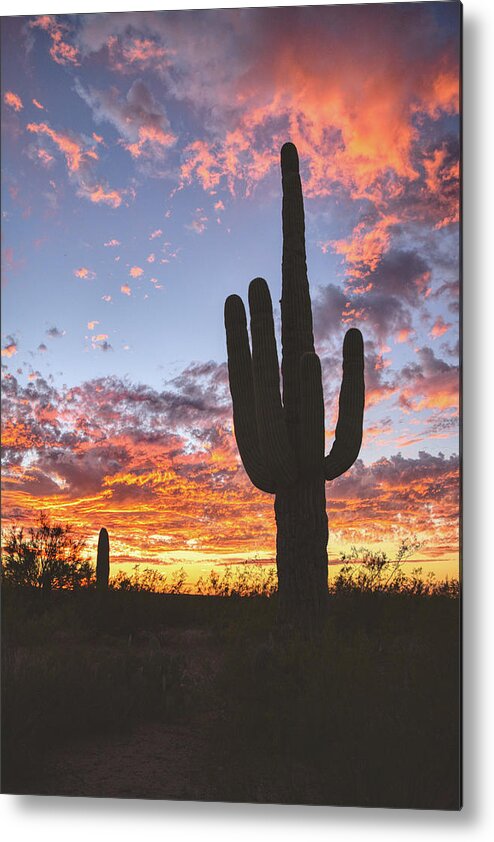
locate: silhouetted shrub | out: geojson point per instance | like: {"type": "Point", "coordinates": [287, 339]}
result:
{"type": "Point", "coordinates": [46, 556]}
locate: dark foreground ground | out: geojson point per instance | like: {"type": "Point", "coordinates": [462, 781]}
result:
{"type": "Point", "coordinates": [194, 697]}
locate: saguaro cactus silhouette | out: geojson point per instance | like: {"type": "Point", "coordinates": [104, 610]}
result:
{"type": "Point", "coordinates": [281, 437]}
{"type": "Point", "coordinates": [103, 561]}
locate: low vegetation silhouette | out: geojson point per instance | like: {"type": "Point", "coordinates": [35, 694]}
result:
{"type": "Point", "coordinates": [281, 437]}
{"type": "Point", "coordinates": [144, 690]}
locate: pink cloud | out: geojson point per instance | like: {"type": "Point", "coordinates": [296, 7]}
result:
{"type": "Point", "coordinates": [404, 334]}
{"type": "Point", "coordinates": [80, 163]}
{"type": "Point", "coordinates": [125, 289]}
{"type": "Point", "coordinates": [60, 51]}
{"type": "Point", "coordinates": [45, 157]}
{"type": "Point", "coordinates": [440, 327]}
{"type": "Point", "coordinates": [99, 194]}
{"type": "Point", "coordinates": [363, 250]}
{"type": "Point", "coordinates": [12, 99]}
{"type": "Point", "coordinates": [71, 148]}
{"type": "Point", "coordinates": [130, 53]}
{"type": "Point", "coordinates": [84, 272]}
{"type": "Point", "coordinates": [10, 349]}
{"type": "Point", "coordinates": [136, 272]}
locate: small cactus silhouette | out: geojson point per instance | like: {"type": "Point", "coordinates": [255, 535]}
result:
{"type": "Point", "coordinates": [103, 561]}
{"type": "Point", "coordinates": [281, 437]}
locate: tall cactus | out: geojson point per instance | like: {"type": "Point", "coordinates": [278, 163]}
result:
{"type": "Point", "coordinates": [103, 561]}
{"type": "Point", "coordinates": [281, 437]}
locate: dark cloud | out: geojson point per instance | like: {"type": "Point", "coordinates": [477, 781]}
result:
{"type": "Point", "coordinates": [451, 291]}
{"type": "Point", "coordinates": [401, 274]}
{"type": "Point", "coordinates": [55, 333]}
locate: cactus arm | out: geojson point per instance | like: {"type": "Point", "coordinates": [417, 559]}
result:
{"type": "Point", "coordinates": [348, 435]}
{"type": "Point", "coordinates": [311, 415]}
{"type": "Point", "coordinates": [273, 436]}
{"type": "Point", "coordinates": [296, 314]}
{"type": "Point", "coordinates": [242, 392]}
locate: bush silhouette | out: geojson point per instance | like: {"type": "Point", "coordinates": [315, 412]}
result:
{"type": "Point", "coordinates": [46, 556]}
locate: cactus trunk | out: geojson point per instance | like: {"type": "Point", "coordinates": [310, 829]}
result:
{"type": "Point", "coordinates": [103, 561]}
{"type": "Point", "coordinates": [301, 552]}
{"type": "Point", "coordinates": [280, 437]}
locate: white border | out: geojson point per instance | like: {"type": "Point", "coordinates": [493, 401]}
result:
{"type": "Point", "coordinates": [54, 819]}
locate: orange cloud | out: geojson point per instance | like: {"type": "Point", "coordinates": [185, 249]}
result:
{"type": "Point", "coordinates": [201, 164]}
{"type": "Point", "coordinates": [12, 99]}
{"type": "Point", "coordinates": [73, 151]}
{"type": "Point", "coordinates": [84, 272]}
{"type": "Point", "coordinates": [125, 289]}
{"type": "Point", "coordinates": [442, 176]}
{"type": "Point", "coordinates": [142, 52]}
{"type": "Point", "coordinates": [60, 51]}
{"type": "Point", "coordinates": [38, 105]}
{"type": "Point", "coordinates": [363, 250]}
{"type": "Point", "coordinates": [355, 114]}
{"type": "Point", "coordinates": [149, 137]}
{"type": "Point", "coordinates": [434, 384]}
{"type": "Point", "coordinates": [45, 157]}
{"type": "Point", "coordinates": [136, 272]}
{"type": "Point", "coordinates": [10, 349]}
{"type": "Point", "coordinates": [443, 95]}
{"type": "Point", "coordinates": [404, 334]}
{"type": "Point", "coordinates": [440, 327]}
{"type": "Point", "coordinates": [79, 161]}
{"type": "Point", "coordinates": [99, 194]}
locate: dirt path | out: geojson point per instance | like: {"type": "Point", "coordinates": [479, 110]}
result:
{"type": "Point", "coordinates": [155, 761]}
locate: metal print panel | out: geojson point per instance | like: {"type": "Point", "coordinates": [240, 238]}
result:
{"type": "Point", "coordinates": [230, 379]}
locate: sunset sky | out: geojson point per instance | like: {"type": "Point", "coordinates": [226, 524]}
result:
{"type": "Point", "coordinates": [141, 186]}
